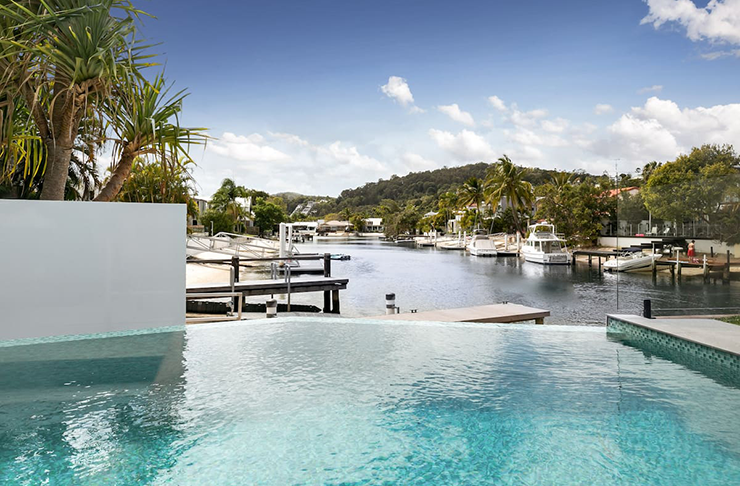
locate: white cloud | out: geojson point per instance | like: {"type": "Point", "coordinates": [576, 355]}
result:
{"type": "Point", "coordinates": [415, 162]}
{"type": "Point", "coordinates": [465, 146]}
{"type": "Point", "coordinates": [711, 56]}
{"type": "Point", "coordinates": [661, 130]}
{"type": "Point", "coordinates": [398, 90]}
{"type": "Point", "coordinates": [656, 88]}
{"type": "Point", "coordinates": [718, 21]}
{"type": "Point", "coordinates": [250, 148]}
{"type": "Point", "coordinates": [602, 109]}
{"type": "Point", "coordinates": [557, 125]}
{"type": "Point", "coordinates": [497, 103]}
{"type": "Point", "coordinates": [454, 112]}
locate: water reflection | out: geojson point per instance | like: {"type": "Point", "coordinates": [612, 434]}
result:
{"type": "Point", "coordinates": [427, 279]}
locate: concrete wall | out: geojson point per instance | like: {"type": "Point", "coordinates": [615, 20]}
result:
{"type": "Point", "coordinates": [85, 267]}
{"type": "Point", "coordinates": [702, 245]}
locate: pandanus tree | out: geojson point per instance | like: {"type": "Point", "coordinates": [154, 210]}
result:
{"type": "Point", "coordinates": [506, 180]}
{"type": "Point", "coordinates": [64, 63]}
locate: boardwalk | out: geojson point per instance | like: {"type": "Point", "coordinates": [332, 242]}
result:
{"type": "Point", "coordinates": [493, 313]}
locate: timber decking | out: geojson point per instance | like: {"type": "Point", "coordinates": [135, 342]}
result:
{"type": "Point", "coordinates": [270, 287]}
{"type": "Point", "coordinates": [493, 313]}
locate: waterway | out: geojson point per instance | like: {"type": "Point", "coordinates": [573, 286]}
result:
{"type": "Point", "coordinates": [427, 279]}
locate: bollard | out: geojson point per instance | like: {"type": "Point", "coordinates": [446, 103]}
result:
{"type": "Point", "coordinates": [271, 307]}
{"type": "Point", "coordinates": [647, 309]}
{"type": "Point", "coordinates": [390, 304]}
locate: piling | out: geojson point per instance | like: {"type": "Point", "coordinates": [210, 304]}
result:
{"type": "Point", "coordinates": [705, 269]}
{"type": "Point", "coordinates": [726, 272]}
{"type": "Point", "coordinates": [390, 304]}
{"type": "Point", "coordinates": [327, 273]}
{"type": "Point", "coordinates": [647, 309]}
{"type": "Point", "coordinates": [271, 307]}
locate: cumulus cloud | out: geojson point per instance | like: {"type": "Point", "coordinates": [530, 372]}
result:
{"type": "Point", "coordinates": [718, 21]}
{"type": "Point", "coordinates": [602, 109]}
{"type": "Point", "coordinates": [454, 112]}
{"type": "Point", "coordinates": [556, 125]}
{"type": "Point", "coordinates": [497, 103]}
{"type": "Point", "coordinates": [656, 88]}
{"type": "Point", "coordinates": [465, 146]}
{"type": "Point", "coordinates": [398, 90]}
{"type": "Point", "coordinates": [415, 162]}
{"type": "Point", "coordinates": [249, 148]}
{"type": "Point", "coordinates": [661, 130]}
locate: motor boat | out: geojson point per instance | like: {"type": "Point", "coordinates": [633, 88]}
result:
{"type": "Point", "coordinates": [544, 246]}
{"type": "Point", "coordinates": [481, 245]}
{"type": "Point", "coordinates": [627, 260]}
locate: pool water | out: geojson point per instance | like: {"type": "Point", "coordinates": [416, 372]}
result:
{"type": "Point", "coordinates": [338, 401]}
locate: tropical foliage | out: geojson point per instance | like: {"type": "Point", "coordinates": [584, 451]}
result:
{"type": "Point", "coordinates": [71, 80]}
{"type": "Point", "coordinates": [148, 183]}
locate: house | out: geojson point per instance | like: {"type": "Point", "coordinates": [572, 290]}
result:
{"type": "Point", "coordinates": [374, 225]}
{"type": "Point", "coordinates": [334, 226]}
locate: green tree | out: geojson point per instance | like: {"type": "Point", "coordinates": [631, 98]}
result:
{"type": "Point", "coordinates": [68, 63]}
{"type": "Point", "coordinates": [267, 215]}
{"type": "Point", "coordinates": [220, 221]}
{"type": "Point", "coordinates": [148, 184]}
{"type": "Point", "coordinates": [472, 192]}
{"type": "Point", "coordinates": [694, 186]}
{"type": "Point", "coordinates": [358, 222]}
{"type": "Point", "coordinates": [506, 180]}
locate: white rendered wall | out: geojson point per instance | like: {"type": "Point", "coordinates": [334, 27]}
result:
{"type": "Point", "coordinates": [86, 267]}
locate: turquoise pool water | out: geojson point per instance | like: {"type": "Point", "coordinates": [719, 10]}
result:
{"type": "Point", "coordinates": [336, 401]}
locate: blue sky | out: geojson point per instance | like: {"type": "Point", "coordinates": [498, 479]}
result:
{"type": "Point", "coordinates": [316, 96]}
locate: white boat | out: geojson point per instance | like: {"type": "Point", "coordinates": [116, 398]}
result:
{"type": "Point", "coordinates": [543, 246]}
{"type": "Point", "coordinates": [631, 260]}
{"type": "Point", "coordinates": [481, 245]}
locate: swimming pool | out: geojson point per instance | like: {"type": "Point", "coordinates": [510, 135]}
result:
{"type": "Point", "coordinates": [339, 401]}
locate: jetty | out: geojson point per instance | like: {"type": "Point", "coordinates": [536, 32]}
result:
{"type": "Point", "coordinates": [278, 285]}
{"type": "Point", "coordinates": [493, 313]}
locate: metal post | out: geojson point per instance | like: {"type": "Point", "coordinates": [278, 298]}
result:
{"type": "Point", "coordinates": [390, 304]}
{"type": "Point", "coordinates": [647, 309]}
{"type": "Point", "coordinates": [327, 273]}
{"type": "Point", "coordinates": [287, 279]}
{"type": "Point", "coordinates": [271, 308]}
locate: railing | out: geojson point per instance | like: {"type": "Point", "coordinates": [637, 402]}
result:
{"type": "Point", "coordinates": [649, 312]}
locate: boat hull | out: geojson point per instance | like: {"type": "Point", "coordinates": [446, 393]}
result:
{"type": "Point", "coordinates": [547, 258]}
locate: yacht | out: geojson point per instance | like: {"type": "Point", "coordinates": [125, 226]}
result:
{"type": "Point", "coordinates": [481, 245]}
{"type": "Point", "coordinates": [631, 260]}
{"type": "Point", "coordinates": [543, 246]}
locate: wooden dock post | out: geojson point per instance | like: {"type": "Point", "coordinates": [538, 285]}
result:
{"type": "Point", "coordinates": [335, 301]}
{"type": "Point", "coordinates": [654, 268]}
{"type": "Point", "coordinates": [678, 268]}
{"type": "Point", "coordinates": [726, 272]}
{"type": "Point", "coordinates": [590, 261]}
{"type": "Point", "coordinates": [327, 293]}
{"type": "Point", "coordinates": [705, 269]}
{"type": "Point", "coordinates": [673, 272]}
{"type": "Point", "coordinates": [235, 274]}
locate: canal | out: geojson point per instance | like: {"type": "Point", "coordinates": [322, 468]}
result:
{"type": "Point", "coordinates": [426, 279]}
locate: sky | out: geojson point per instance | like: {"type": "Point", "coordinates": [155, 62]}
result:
{"type": "Point", "coordinates": [318, 96]}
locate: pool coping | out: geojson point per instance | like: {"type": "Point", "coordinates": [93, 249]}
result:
{"type": "Point", "coordinates": [709, 333]}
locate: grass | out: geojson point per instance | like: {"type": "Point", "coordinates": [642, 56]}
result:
{"type": "Point", "coordinates": [732, 320]}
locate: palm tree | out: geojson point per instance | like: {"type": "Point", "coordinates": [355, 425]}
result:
{"type": "Point", "coordinates": [65, 63]}
{"type": "Point", "coordinates": [506, 180]}
{"type": "Point", "coordinates": [473, 191]}
{"type": "Point", "coordinates": [141, 117]}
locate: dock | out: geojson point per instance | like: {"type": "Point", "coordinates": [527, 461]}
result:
{"type": "Point", "coordinates": [295, 285]}
{"type": "Point", "coordinates": [493, 313]}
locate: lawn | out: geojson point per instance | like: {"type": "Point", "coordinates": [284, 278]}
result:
{"type": "Point", "coordinates": [732, 320]}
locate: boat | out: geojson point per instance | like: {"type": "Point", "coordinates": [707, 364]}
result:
{"type": "Point", "coordinates": [544, 246]}
{"type": "Point", "coordinates": [481, 245]}
{"type": "Point", "coordinates": [506, 245]}
{"type": "Point", "coordinates": [627, 260]}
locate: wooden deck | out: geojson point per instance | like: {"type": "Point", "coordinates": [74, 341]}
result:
{"type": "Point", "coordinates": [502, 313]}
{"type": "Point", "coordinates": [329, 285]}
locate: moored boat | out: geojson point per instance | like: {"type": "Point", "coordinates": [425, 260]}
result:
{"type": "Point", "coordinates": [481, 245]}
{"type": "Point", "coordinates": [544, 246]}
{"type": "Point", "coordinates": [627, 260]}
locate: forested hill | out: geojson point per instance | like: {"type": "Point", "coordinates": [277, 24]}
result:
{"type": "Point", "coordinates": [415, 185]}
{"type": "Point", "coordinates": [422, 187]}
